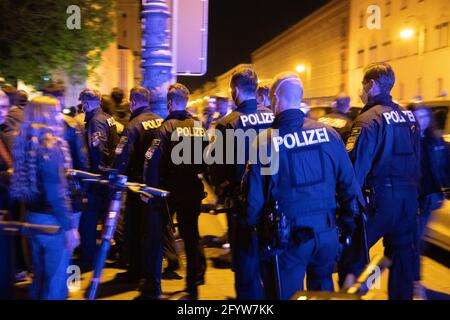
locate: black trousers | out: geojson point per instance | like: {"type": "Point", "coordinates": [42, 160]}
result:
{"type": "Point", "coordinates": [169, 247]}
{"type": "Point", "coordinates": [392, 216]}
{"type": "Point", "coordinates": [188, 211]}
{"type": "Point", "coordinates": [245, 258]}
{"type": "Point", "coordinates": [152, 245]}
{"type": "Point", "coordinates": [98, 205]}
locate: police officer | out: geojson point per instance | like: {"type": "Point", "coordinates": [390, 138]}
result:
{"type": "Point", "coordinates": [338, 118]}
{"type": "Point", "coordinates": [101, 139]}
{"type": "Point", "coordinates": [384, 148]}
{"type": "Point", "coordinates": [305, 166]}
{"type": "Point", "coordinates": [129, 160]}
{"type": "Point", "coordinates": [182, 136]}
{"type": "Point", "coordinates": [245, 121]}
{"type": "Point", "coordinates": [262, 94]}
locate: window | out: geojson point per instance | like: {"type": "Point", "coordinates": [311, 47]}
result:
{"type": "Point", "coordinates": [401, 93]}
{"type": "Point", "coordinates": [361, 58]}
{"type": "Point", "coordinates": [387, 51]}
{"type": "Point", "coordinates": [419, 87]}
{"type": "Point", "coordinates": [373, 53]}
{"type": "Point", "coordinates": [440, 87]}
{"type": "Point", "coordinates": [124, 15]}
{"type": "Point", "coordinates": [361, 20]}
{"type": "Point", "coordinates": [388, 8]}
{"type": "Point", "coordinates": [404, 4]}
{"type": "Point", "coordinates": [442, 30]}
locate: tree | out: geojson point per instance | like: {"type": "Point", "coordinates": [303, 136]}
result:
{"type": "Point", "coordinates": [37, 37]}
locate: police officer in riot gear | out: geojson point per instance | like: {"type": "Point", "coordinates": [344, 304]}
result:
{"type": "Point", "coordinates": [247, 120]}
{"type": "Point", "coordinates": [101, 139]}
{"type": "Point", "coordinates": [302, 166]}
{"type": "Point", "coordinates": [181, 136]}
{"type": "Point", "coordinates": [384, 148]}
{"type": "Point", "coordinates": [338, 118]}
{"type": "Point", "coordinates": [129, 160]}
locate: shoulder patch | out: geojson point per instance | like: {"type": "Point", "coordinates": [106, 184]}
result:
{"type": "Point", "coordinates": [352, 139]}
{"type": "Point", "coordinates": [96, 139]}
{"type": "Point", "coordinates": [151, 151]}
{"type": "Point", "coordinates": [111, 122]}
{"type": "Point", "coordinates": [123, 141]}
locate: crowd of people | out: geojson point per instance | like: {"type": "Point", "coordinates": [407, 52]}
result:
{"type": "Point", "coordinates": [388, 163]}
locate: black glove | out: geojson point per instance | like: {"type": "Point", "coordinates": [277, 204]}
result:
{"type": "Point", "coordinates": [347, 226]}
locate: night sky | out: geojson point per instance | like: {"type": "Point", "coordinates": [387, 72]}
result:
{"type": "Point", "coordinates": [238, 27]}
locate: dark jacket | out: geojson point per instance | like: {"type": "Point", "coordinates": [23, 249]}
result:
{"type": "Point", "coordinates": [101, 137]}
{"type": "Point", "coordinates": [53, 189]}
{"type": "Point", "coordinates": [74, 135]}
{"type": "Point", "coordinates": [384, 145]}
{"type": "Point", "coordinates": [162, 170]}
{"type": "Point", "coordinates": [136, 139]}
{"type": "Point", "coordinates": [247, 116]}
{"type": "Point", "coordinates": [122, 113]}
{"type": "Point", "coordinates": [12, 124]}
{"type": "Point", "coordinates": [309, 167]}
{"type": "Point", "coordinates": [4, 175]}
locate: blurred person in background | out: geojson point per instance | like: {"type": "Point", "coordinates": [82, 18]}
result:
{"type": "Point", "coordinates": [14, 116]}
{"type": "Point", "coordinates": [10, 129]}
{"type": "Point", "coordinates": [74, 137]}
{"type": "Point", "coordinates": [338, 118]}
{"type": "Point", "coordinates": [5, 155]}
{"type": "Point", "coordinates": [6, 248]}
{"type": "Point", "coordinates": [40, 158]}
{"type": "Point", "coordinates": [262, 94]}
{"type": "Point", "coordinates": [121, 110]}
{"type": "Point", "coordinates": [435, 176]}
{"type": "Point", "coordinates": [107, 105]}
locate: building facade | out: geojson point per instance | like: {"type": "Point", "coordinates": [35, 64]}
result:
{"type": "Point", "coordinates": [330, 48]}
{"type": "Point", "coordinates": [412, 35]}
{"type": "Point", "coordinates": [315, 47]}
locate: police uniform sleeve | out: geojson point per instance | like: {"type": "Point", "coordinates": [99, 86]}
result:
{"type": "Point", "coordinates": [54, 183]}
{"type": "Point", "coordinates": [253, 187]}
{"type": "Point", "coordinates": [154, 159]}
{"type": "Point", "coordinates": [218, 171]}
{"type": "Point", "coordinates": [361, 147]}
{"type": "Point", "coordinates": [97, 139]}
{"type": "Point", "coordinates": [82, 151]}
{"type": "Point", "coordinates": [125, 149]}
{"type": "Point", "coordinates": [348, 189]}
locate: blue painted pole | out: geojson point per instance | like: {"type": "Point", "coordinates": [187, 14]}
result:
{"type": "Point", "coordinates": [156, 53]}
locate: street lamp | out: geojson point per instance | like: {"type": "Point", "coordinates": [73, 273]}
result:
{"type": "Point", "coordinates": [407, 33]}
{"type": "Point", "coordinates": [300, 68]}
{"type": "Point", "coordinates": [412, 29]}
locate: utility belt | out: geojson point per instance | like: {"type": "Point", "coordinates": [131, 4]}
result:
{"type": "Point", "coordinates": [390, 182]}
{"type": "Point", "coordinates": [277, 232]}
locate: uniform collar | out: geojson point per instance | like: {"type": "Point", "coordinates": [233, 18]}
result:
{"type": "Point", "coordinates": [381, 99]}
{"type": "Point", "coordinates": [91, 114]}
{"type": "Point", "coordinates": [291, 117]}
{"type": "Point", "coordinates": [140, 111]}
{"type": "Point", "coordinates": [248, 106]}
{"type": "Point", "coordinates": [180, 114]}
